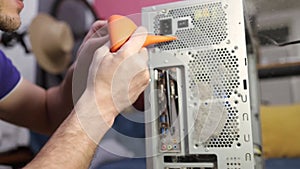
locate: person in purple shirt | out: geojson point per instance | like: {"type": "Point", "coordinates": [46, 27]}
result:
{"type": "Point", "coordinates": [9, 76]}
{"type": "Point", "coordinates": [76, 126]}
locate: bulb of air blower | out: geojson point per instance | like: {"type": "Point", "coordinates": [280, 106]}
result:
{"type": "Point", "coordinates": [121, 28]}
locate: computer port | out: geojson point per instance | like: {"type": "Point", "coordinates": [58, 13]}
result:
{"type": "Point", "coordinates": [166, 84]}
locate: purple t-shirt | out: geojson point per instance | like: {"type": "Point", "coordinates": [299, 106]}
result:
{"type": "Point", "coordinates": [9, 76]}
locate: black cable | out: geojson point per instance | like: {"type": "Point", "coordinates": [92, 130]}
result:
{"type": "Point", "coordinates": [280, 44]}
{"type": "Point", "coordinates": [289, 43]}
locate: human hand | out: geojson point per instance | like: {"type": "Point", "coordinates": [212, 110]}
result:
{"type": "Point", "coordinates": [117, 79]}
{"type": "Point", "coordinates": [98, 30]}
{"type": "Point", "coordinates": [95, 38]}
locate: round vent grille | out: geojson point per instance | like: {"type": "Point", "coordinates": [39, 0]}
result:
{"type": "Point", "coordinates": [218, 68]}
{"type": "Point", "coordinates": [230, 131]}
{"type": "Point", "coordinates": [209, 26]}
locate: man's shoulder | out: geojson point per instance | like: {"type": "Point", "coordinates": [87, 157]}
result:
{"type": "Point", "coordinates": [9, 75]}
{"type": "Point", "coordinates": [4, 61]}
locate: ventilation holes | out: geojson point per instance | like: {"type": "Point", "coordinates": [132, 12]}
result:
{"type": "Point", "coordinates": [217, 68]}
{"type": "Point", "coordinates": [209, 26]}
{"type": "Point", "coordinates": [230, 131]}
{"type": "Point", "coordinates": [233, 163]}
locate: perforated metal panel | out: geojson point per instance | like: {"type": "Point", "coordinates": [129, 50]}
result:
{"type": "Point", "coordinates": [206, 68]}
{"type": "Point", "coordinates": [203, 68]}
{"type": "Point", "coordinates": [205, 65]}
{"type": "Point", "coordinates": [209, 22]}
{"type": "Point", "coordinates": [233, 163]}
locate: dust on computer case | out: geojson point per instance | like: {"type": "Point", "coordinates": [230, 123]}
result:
{"type": "Point", "coordinates": [198, 110]}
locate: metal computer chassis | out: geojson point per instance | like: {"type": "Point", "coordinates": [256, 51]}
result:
{"type": "Point", "coordinates": [197, 104]}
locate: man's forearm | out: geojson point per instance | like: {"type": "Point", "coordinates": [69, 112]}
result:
{"type": "Point", "coordinates": [73, 145]}
{"type": "Point", "coordinates": [69, 147]}
{"type": "Point", "coordinates": [59, 102]}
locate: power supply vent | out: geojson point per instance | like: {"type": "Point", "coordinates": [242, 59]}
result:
{"type": "Point", "coordinates": [215, 76]}
{"type": "Point", "coordinates": [207, 25]}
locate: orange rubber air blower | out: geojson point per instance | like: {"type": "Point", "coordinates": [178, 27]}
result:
{"type": "Point", "coordinates": [121, 28]}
